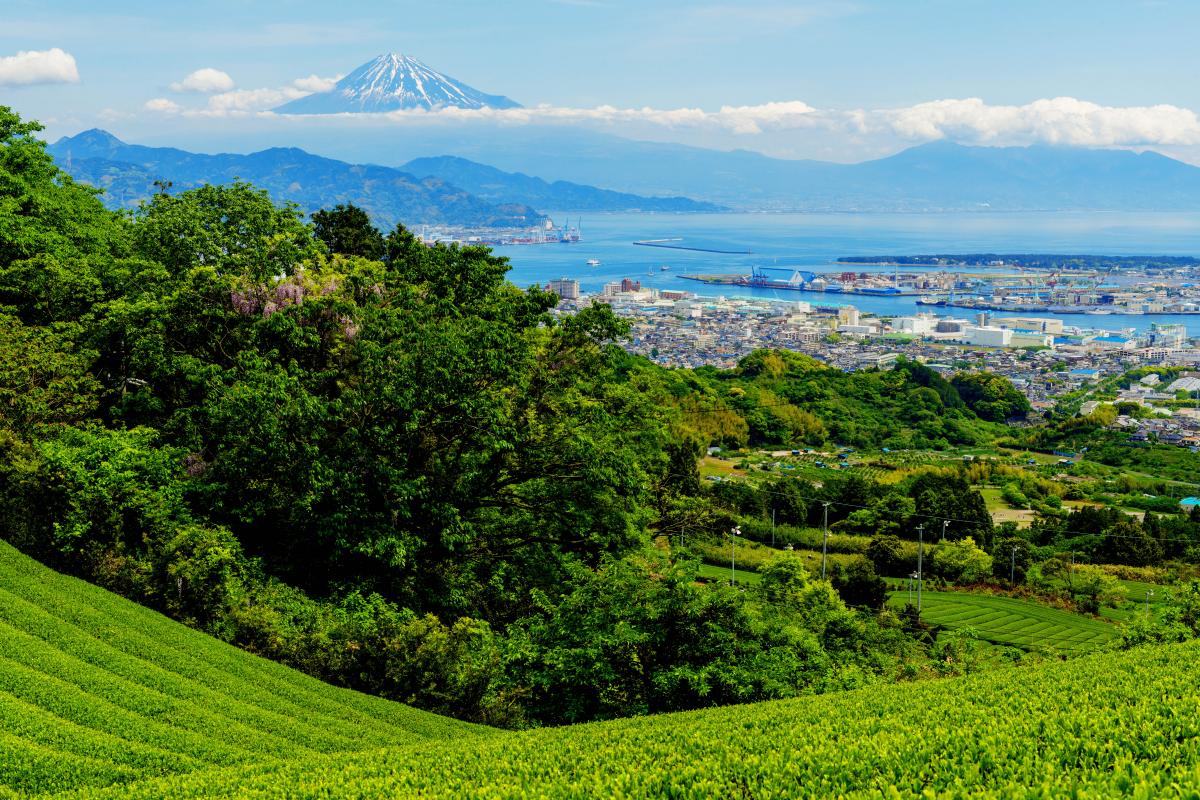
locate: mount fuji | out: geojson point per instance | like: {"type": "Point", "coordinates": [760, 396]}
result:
{"type": "Point", "coordinates": [392, 82]}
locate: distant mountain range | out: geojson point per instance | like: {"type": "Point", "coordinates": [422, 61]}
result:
{"type": "Point", "coordinates": [559, 170]}
{"type": "Point", "coordinates": [497, 186]}
{"type": "Point", "coordinates": [127, 173]}
{"type": "Point", "coordinates": [392, 82]}
{"type": "Point", "coordinates": [939, 176]}
{"type": "Point", "coordinates": [564, 167]}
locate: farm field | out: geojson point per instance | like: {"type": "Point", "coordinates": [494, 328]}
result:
{"type": "Point", "coordinates": [712, 572]}
{"type": "Point", "coordinates": [1009, 621]}
{"type": "Point", "coordinates": [1002, 512]}
{"type": "Point", "coordinates": [1099, 726]}
{"type": "Point", "coordinates": [95, 690]}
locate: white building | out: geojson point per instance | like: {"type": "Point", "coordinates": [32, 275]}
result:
{"type": "Point", "coordinates": [987, 336]}
{"type": "Point", "coordinates": [920, 325]}
{"type": "Point", "coordinates": [1030, 339]}
{"type": "Point", "coordinates": [1168, 335]}
{"type": "Point", "coordinates": [1029, 324]}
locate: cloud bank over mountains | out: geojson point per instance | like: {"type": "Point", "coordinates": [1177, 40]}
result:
{"type": "Point", "coordinates": [788, 129]}
{"type": "Point", "coordinates": [1058, 120]}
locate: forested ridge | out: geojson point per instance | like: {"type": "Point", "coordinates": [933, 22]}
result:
{"type": "Point", "coordinates": [385, 465]}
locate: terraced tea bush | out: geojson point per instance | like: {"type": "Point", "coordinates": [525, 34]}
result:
{"type": "Point", "coordinates": [1102, 726]}
{"type": "Point", "coordinates": [1006, 620]}
{"type": "Point", "coordinates": [95, 690]}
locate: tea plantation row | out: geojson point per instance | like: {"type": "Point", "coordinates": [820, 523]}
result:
{"type": "Point", "coordinates": [1101, 726]}
{"type": "Point", "coordinates": [96, 690]}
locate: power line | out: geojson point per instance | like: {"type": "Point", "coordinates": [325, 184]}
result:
{"type": "Point", "coordinates": [971, 522]}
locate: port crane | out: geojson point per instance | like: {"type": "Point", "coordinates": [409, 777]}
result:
{"type": "Point", "coordinates": [798, 277]}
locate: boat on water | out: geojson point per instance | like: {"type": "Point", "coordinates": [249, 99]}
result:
{"type": "Point", "coordinates": [593, 262]}
{"type": "Point", "coordinates": [665, 267]}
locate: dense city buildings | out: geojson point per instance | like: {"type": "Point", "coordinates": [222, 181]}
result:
{"type": "Point", "coordinates": [1044, 358]}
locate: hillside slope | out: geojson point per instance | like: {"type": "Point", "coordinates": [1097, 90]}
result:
{"type": "Point", "coordinates": [127, 173]}
{"type": "Point", "coordinates": [1095, 727]}
{"type": "Point", "coordinates": [96, 690]}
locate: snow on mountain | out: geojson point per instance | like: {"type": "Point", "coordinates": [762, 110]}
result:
{"type": "Point", "coordinates": [391, 82]}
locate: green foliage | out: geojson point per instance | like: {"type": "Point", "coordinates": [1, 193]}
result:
{"type": "Point", "coordinates": [858, 584]}
{"type": "Point", "coordinates": [1121, 722]}
{"type": "Point", "coordinates": [1011, 559]}
{"type": "Point", "coordinates": [959, 560]}
{"type": "Point", "coordinates": [45, 214]}
{"type": "Point", "coordinates": [957, 652]}
{"type": "Point", "coordinates": [887, 555]}
{"type": "Point", "coordinates": [992, 397]}
{"type": "Point", "coordinates": [644, 637]}
{"type": "Point", "coordinates": [1012, 622]}
{"type": "Point", "coordinates": [44, 377]}
{"type": "Point", "coordinates": [1091, 587]}
{"type": "Point", "coordinates": [95, 690]}
{"type": "Point", "coordinates": [347, 230]}
{"type": "Point", "coordinates": [785, 398]}
{"type": "Point", "coordinates": [1127, 542]}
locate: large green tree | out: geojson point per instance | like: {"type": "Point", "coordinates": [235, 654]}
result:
{"type": "Point", "coordinates": [346, 229]}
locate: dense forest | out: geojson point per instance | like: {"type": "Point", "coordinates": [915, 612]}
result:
{"type": "Point", "coordinates": [382, 463]}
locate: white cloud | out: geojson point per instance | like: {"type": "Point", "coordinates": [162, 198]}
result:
{"type": "Point", "coordinates": [204, 81]}
{"type": "Point", "coordinates": [791, 129]}
{"type": "Point", "coordinates": [30, 67]}
{"type": "Point", "coordinates": [315, 84]}
{"type": "Point", "coordinates": [242, 101]}
{"type": "Point", "coordinates": [1060, 120]}
{"type": "Point", "coordinates": [736, 119]}
{"type": "Point", "coordinates": [162, 105]}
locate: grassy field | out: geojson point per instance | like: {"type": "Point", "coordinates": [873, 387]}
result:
{"type": "Point", "coordinates": [722, 468]}
{"type": "Point", "coordinates": [1102, 726]}
{"type": "Point", "coordinates": [95, 690]}
{"type": "Point", "coordinates": [1006, 620]}
{"type": "Point", "coordinates": [711, 572]}
{"type": "Point", "coordinates": [1002, 512]}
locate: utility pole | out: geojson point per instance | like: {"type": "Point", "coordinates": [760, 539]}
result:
{"type": "Point", "coordinates": [920, 563]}
{"type": "Point", "coordinates": [1012, 570]}
{"type": "Point", "coordinates": [1148, 595]}
{"type": "Point", "coordinates": [772, 526]}
{"type": "Point", "coordinates": [945, 524]}
{"type": "Point", "coordinates": [736, 532]}
{"type": "Point", "coordinates": [824, 536]}
{"type": "Point", "coordinates": [1071, 574]}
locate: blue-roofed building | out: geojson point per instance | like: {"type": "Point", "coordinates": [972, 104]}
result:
{"type": "Point", "coordinates": [1188, 503]}
{"type": "Point", "coordinates": [1114, 342]}
{"type": "Point", "coordinates": [1085, 374]}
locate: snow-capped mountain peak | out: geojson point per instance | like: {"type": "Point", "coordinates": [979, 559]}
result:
{"type": "Point", "coordinates": [393, 81]}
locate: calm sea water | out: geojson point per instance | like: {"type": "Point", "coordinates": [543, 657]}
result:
{"type": "Point", "coordinates": [814, 241]}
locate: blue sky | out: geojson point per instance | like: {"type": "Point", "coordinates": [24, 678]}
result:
{"type": "Point", "coordinates": [857, 78]}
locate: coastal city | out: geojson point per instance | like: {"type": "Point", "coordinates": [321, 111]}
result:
{"type": "Point", "coordinates": [1092, 285]}
{"type": "Point", "coordinates": [1044, 358]}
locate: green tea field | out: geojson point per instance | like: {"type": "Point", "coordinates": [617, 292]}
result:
{"type": "Point", "coordinates": [1008, 621]}
{"type": "Point", "coordinates": [1099, 726]}
{"type": "Point", "coordinates": [100, 698]}
{"type": "Point", "coordinates": [95, 690]}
